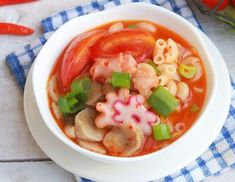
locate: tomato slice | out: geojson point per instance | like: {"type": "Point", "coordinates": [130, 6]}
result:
{"type": "Point", "coordinates": [137, 42]}
{"type": "Point", "coordinates": [213, 3]}
{"type": "Point", "coordinates": [77, 57]}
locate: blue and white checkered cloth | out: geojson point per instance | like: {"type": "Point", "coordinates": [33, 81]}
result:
{"type": "Point", "coordinates": [219, 157]}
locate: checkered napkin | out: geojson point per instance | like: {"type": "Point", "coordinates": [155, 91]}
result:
{"type": "Point", "coordinates": [218, 158]}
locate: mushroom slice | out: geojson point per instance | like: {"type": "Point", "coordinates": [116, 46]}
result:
{"type": "Point", "coordinates": [92, 146]}
{"type": "Point", "coordinates": [85, 128]}
{"type": "Point", "coordinates": [95, 95]}
{"type": "Point", "coordinates": [124, 140]}
{"type": "Point", "coordinates": [52, 85]}
{"type": "Point", "coordinates": [69, 131]}
{"type": "Point", "coordinates": [56, 110]}
{"type": "Point", "coordinates": [107, 87]}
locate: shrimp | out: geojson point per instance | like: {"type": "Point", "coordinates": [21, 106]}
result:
{"type": "Point", "coordinates": [128, 64]}
{"type": "Point", "coordinates": [145, 79]}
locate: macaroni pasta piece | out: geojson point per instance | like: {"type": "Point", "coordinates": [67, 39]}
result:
{"type": "Point", "coordinates": [116, 27]}
{"type": "Point", "coordinates": [182, 91]}
{"type": "Point", "coordinates": [158, 52]}
{"type": "Point", "coordinates": [172, 52]}
{"type": "Point", "coordinates": [146, 26]}
{"type": "Point", "coordinates": [172, 87]}
{"type": "Point", "coordinates": [163, 79]}
{"type": "Point", "coordinates": [165, 51]}
{"type": "Point", "coordinates": [168, 69]}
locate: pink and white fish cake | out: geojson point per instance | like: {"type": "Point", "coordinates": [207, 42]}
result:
{"type": "Point", "coordinates": [134, 112]}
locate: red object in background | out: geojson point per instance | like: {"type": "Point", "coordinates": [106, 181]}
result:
{"type": "Point", "coordinates": [212, 4]}
{"type": "Point", "coordinates": [9, 2]}
{"type": "Point", "coordinates": [233, 3]}
{"type": "Point", "coordinates": [9, 28]}
{"type": "Point", "coordinates": [13, 29]}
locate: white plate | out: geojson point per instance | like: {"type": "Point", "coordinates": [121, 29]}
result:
{"type": "Point", "coordinates": [99, 171]}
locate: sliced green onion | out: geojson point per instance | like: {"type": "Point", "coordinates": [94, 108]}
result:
{"type": "Point", "coordinates": [75, 100]}
{"type": "Point", "coordinates": [194, 108]}
{"type": "Point", "coordinates": [68, 104]}
{"type": "Point", "coordinates": [81, 97]}
{"type": "Point", "coordinates": [80, 89]}
{"type": "Point", "coordinates": [82, 85]}
{"type": "Point", "coordinates": [162, 101]}
{"type": "Point", "coordinates": [150, 62]}
{"type": "Point", "coordinates": [63, 105]}
{"type": "Point", "coordinates": [187, 71]}
{"type": "Point", "coordinates": [121, 80]}
{"type": "Point", "coordinates": [132, 26]}
{"type": "Point", "coordinates": [161, 132]}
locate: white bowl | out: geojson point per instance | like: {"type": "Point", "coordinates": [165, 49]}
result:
{"type": "Point", "coordinates": [190, 145]}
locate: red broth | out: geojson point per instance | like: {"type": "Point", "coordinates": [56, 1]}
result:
{"type": "Point", "coordinates": [184, 115]}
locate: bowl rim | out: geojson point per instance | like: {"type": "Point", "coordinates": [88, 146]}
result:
{"type": "Point", "coordinates": [94, 155]}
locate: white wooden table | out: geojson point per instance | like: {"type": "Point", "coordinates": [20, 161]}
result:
{"type": "Point", "coordinates": [20, 158]}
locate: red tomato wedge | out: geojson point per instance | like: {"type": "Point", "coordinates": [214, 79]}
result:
{"type": "Point", "coordinates": [137, 42]}
{"type": "Point", "coordinates": [77, 57]}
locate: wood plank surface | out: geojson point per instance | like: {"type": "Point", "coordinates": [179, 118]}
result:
{"type": "Point", "coordinates": [34, 172]}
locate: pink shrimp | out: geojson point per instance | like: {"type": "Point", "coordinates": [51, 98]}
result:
{"type": "Point", "coordinates": [128, 64]}
{"type": "Point", "coordinates": [144, 79]}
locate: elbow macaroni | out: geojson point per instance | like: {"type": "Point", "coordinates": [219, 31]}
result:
{"type": "Point", "coordinates": [168, 69]}
{"type": "Point", "coordinates": [162, 80]}
{"type": "Point", "coordinates": [158, 52]}
{"type": "Point", "coordinates": [172, 87]}
{"type": "Point", "coordinates": [179, 127]}
{"type": "Point", "coordinates": [165, 52]}
{"type": "Point", "coordinates": [182, 91]}
{"type": "Point", "coordinates": [115, 27]}
{"type": "Point", "coordinates": [146, 26]}
{"type": "Point", "coordinates": [172, 52]}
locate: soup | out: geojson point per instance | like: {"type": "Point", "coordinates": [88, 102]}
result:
{"type": "Point", "coordinates": [127, 88]}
